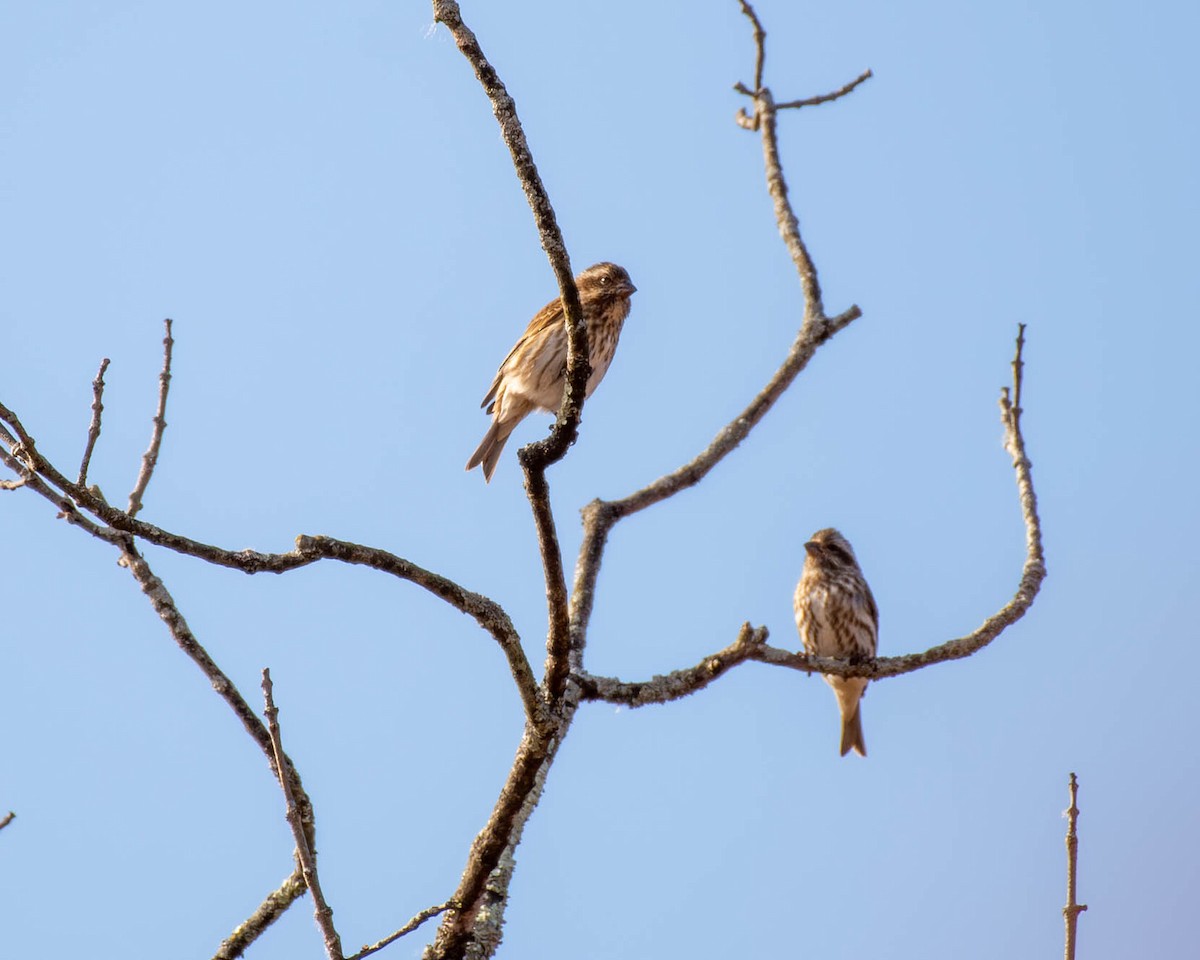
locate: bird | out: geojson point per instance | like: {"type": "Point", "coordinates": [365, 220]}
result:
{"type": "Point", "coordinates": [837, 617]}
{"type": "Point", "coordinates": [532, 375]}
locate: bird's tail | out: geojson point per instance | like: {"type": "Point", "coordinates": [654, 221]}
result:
{"type": "Point", "coordinates": [489, 449]}
{"type": "Point", "coordinates": [852, 734]}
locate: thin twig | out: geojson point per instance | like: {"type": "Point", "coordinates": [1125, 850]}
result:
{"type": "Point", "coordinates": [760, 45]}
{"type": "Point", "coordinates": [308, 862]}
{"type": "Point", "coordinates": [7, 819]}
{"type": "Point", "coordinates": [270, 910]}
{"type": "Point", "coordinates": [827, 97]}
{"type": "Point", "coordinates": [150, 457]}
{"type": "Point", "coordinates": [93, 433]}
{"type": "Point", "coordinates": [1073, 909]}
{"type": "Point", "coordinates": [1018, 372]}
{"type": "Point", "coordinates": [409, 927]}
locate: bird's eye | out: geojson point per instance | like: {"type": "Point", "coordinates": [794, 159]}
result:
{"type": "Point", "coordinates": [840, 552]}
{"type": "Point", "coordinates": [603, 280]}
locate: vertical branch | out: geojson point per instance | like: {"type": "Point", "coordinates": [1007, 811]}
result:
{"type": "Point", "coordinates": [1072, 910]}
{"type": "Point", "coordinates": [150, 457]}
{"type": "Point", "coordinates": [537, 456]}
{"type": "Point", "coordinates": [94, 428]}
{"type": "Point", "coordinates": [308, 863]}
{"type": "Point", "coordinates": [544, 452]}
{"type": "Point", "coordinates": [785, 216]}
{"type": "Point", "coordinates": [1014, 442]}
{"type": "Point", "coordinates": [558, 634]}
{"type": "Point", "coordinates": [760, 44]}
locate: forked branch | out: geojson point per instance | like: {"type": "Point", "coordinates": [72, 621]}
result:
{"type": "Point", "coordinates": [681, 683]}
{"type": "Point", "coordinates": [537, 456]}
{"type": "Point", "coordinates": [816, 329]}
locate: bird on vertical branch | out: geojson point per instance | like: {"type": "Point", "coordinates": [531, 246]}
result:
{"type": "Point", "coordinates": [532, 375]}
{"type": "Point", "coordinates": [837, 617]}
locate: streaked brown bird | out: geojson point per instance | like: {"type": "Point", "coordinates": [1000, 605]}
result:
{"type": "Point", "coordinates": [532, 375]}
{"type": "Point", "coordinates": [837, 617]}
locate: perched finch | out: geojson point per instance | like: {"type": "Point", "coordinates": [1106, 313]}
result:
{"type": "Point", "coordinates": [837, 617]}
{"type": "Point", "coordinates": [532, 375]}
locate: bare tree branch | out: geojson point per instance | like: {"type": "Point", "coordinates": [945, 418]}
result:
{"type": "Point", "coordinates": [558, 636]}
{"type": "Point", "coordinates": [7, 819]}
{"type": "Point", "coordinates": [25, 459]}
{"type": "Point", "coordinates": [483, 890]}
{"type": "Point", "coordinates": [164, 605]}
{"type": "Point", "coordinates": [760, 44]}
{"type": "Point", "coordinates": [150, 457]}
{"type": "Point", "coordinates": [93, 433]}
{"type": "Point", "coordinates": [409, 927]}
{"type": "Point", "coordinates": [304, 852]}
{"type": "Point", "coordinates": [680, 683]}
{"type": "Point", "coordinates": [1073, 909]}
{"type": "Point", "coordinates": [67, 510]}
{"type": "Point", "coordinates": [564, 647]}
{"type": "Point", "coordinates": [270, 910]}
{"type": "Point", "coordinates": [474, 916]}
{"type": "Point", "coordinates": [751, 124]}
{"type": "Point", "coordinates": [816, 329]}
{"type": "Point", "coordinates": [539, 455]}
{"type": "Point", "coordinates": [827, 97]}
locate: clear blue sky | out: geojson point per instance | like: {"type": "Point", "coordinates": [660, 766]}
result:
{"type": "Point", "coordinates": [318, 195]}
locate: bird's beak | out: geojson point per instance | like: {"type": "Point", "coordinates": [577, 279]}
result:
{"type": "Point", "coordinates": [812, 548]}
{"type": "Point", "coordinates": [629, 290]}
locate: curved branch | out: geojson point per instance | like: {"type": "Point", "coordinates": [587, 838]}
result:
{"type": "Point", "coordinates": [485, 611]}
{"type": "Point", "coordinates": [680, 683]}
{"type": "Point", "coordinates": [41, 476]}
